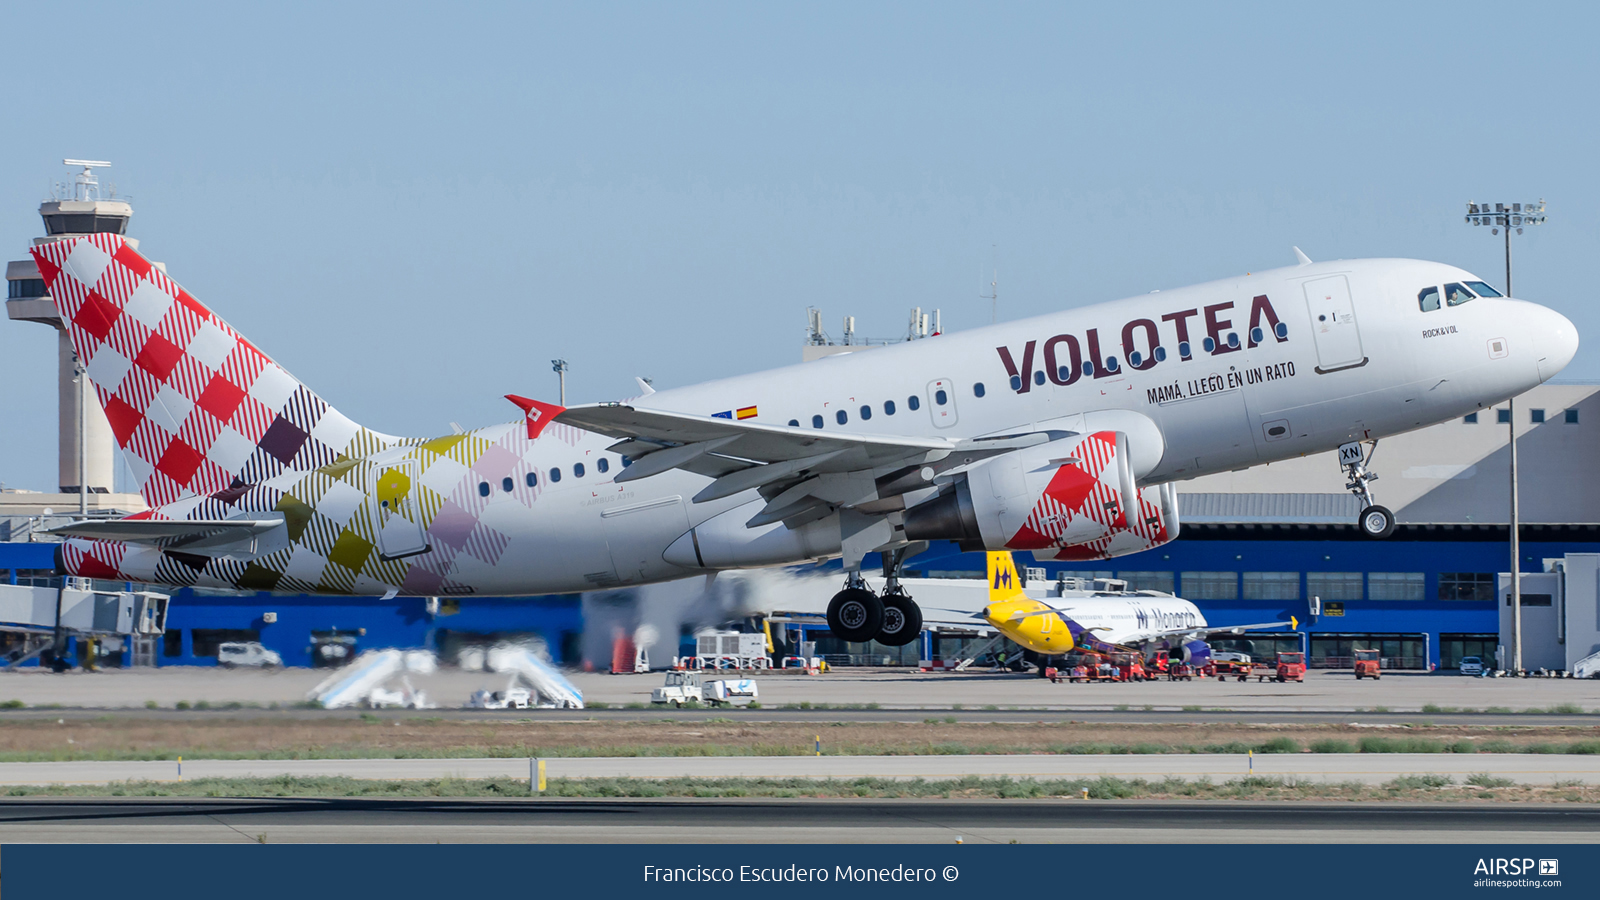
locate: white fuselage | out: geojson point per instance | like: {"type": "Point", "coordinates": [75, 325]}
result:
{"type": "Point", "coordinates": [1361, 365]}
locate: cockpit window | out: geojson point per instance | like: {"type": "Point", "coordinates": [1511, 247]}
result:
{"type": "Point", "coordinates": [1455, 295]}
{"type": "Point", "coordinates": [1482, 290]}
{"type": "Point", "coordinates": [1428, 299]}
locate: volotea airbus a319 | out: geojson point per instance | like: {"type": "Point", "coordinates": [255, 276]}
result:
{"type": "Point", "coordinates": [1061, 434]}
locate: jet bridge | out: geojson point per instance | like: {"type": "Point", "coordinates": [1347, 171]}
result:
{"type": "Point", "coordinates": [49, 615]}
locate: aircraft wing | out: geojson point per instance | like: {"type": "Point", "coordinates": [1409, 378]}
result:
{"type": "Point", "coordinates": [773, 458]}
{"type": "Point", "coordinates": [1206, 632]}
{"type": "Point", "coordinates": [189, 535]}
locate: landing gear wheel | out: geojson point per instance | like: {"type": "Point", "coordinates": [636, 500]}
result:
{"type": "Point", "coordinates": [1376, 522]}
{"type": "Point", "coordinates": [855, 615]}
{"type": "Point", "coordinates": [902, 620]}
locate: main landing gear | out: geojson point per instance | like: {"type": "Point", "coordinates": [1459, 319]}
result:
{"type": "Point", "coordinates": [856, 614]}
{"type": "Point", "coordinates": [1375, 521]}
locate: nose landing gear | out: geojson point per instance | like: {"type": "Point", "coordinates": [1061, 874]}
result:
{"type": "Point", "coordinates": [1376, 522]}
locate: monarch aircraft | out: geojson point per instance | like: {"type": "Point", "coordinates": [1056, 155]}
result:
{"type": "Point", "coordinates": [1062, 434]}
{"type": "Point", "coordinates": [1099, 621]}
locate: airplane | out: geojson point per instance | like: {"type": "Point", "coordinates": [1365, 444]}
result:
{"type": "Point", "coordinates": [1102, 619]}
{"type": "Point", "coordinates": [1062, 434]}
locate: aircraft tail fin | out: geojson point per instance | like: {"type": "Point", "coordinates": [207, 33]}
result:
{"type": "Point", "coordinates": [1004, 583]}
{"type": "Point", "coordinates": [197, 409]}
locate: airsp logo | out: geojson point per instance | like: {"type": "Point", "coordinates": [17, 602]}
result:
{"type": "Point", "coordinates": [1516, 867]}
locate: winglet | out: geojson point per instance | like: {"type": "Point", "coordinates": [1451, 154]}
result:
{"type": "Point", "coordinates": [1300, 258]}
{"type": "Point", "coordinates": [539, 414]}
{"type": "Point", "coordinates": [1004, 584]}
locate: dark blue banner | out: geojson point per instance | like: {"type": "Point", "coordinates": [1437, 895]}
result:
{"type": "Point", "coordinates": [394, 872]}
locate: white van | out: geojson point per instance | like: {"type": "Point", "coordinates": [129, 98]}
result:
{"type": "Point", "coordinates": [246, 653]}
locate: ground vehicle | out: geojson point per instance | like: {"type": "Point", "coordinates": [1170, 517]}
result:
{"type": "Point", "coordinates": [1472, 665]}
{"type": "Point", "coordinates": [1367, 664]}
{"type": "Point", "coordinates": [1177, 671]}
{"type": "Point", "coordinates": [510, 698]}
{"type": "Point", "coordinates": [687, 687]}
{"type": "Point", "coordinates": [246, 653]}
{"type": "Point", "coordinates": [1292, 666]}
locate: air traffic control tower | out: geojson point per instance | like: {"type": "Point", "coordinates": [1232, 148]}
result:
{"type": "Point", "coordinates": [86, 450]}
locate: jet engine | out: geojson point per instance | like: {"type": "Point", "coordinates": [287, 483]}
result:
{"type": "Point", "coordinates": [1069, 499]}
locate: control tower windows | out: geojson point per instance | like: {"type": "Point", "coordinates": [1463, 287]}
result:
{"type": "Point", "coordinates": [85, 223]}
{"type": "Point", "coordinates": [25, 289]}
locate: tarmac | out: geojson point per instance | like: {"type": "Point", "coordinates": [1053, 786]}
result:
{"type": "Point", "coordinates": [344, 820]}
{"type": "Point", "coordinates": [1365, 768]}
{"type": "Point", "coordinates": [890, 689]}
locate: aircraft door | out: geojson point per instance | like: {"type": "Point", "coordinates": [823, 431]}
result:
{"type": "Point", "coordinates": [396, 517]}
{"type": "Point", "coordinates": [942, 402]}
{"type": "Point", "coordinates": [1333, 324]}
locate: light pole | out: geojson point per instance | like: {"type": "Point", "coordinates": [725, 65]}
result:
{"type": "Point", "coordinates": [1506, 216]}
{"type": "Point", "coordinates": [559, 366]}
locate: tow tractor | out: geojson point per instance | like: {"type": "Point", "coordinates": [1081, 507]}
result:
{"type": "Point", "coordinates": [1367, 664]}
{"type": "Point", "coordinates": [687, 687]}
{"type": "Point", "coordinates": [1291, 667]}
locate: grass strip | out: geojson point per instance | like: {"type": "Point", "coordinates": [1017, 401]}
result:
{"type": "Point", "coordinates": [1407, 787]}
{"type": "Point", "coordinates": [1280, 744]}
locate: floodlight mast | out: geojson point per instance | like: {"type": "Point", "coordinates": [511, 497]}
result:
{"type": "Point", "coordinates": [1508, 216]}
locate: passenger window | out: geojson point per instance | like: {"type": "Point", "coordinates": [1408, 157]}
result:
{"type": "Point", "coordinates": [1428, 300]}
{"type": "Point", "coordinates": [577, 470]}
{"type": "Point", "coordinates": [555, 474]}
{"type": "Point", "coordinates": [940, 397]}
{"type": "Point", "coordinates": [913, 403]}
{"type": "Point", "coordinates": [604, 465]}
{"type": "Point", "coordinates": [888, 407]}
{"type": "Point", "coordinates": [841, 417]}
{"type": "Point", "coordinates": [1482, 290]}
{"type": "Point", "coordinates": [506, 484]}
{"type": "Point", "coordinates": [794, 423]}
{"type": "Point", "coordinates": [866, 412]}
{"type": "Point", "coordinates": [533, 479]}
{"type": "Point", "coordinates": [816, 421]}
{"type": "Point", "coordinates": [1455, 295]}
{"type": "Point", "coordinates": [977, 389]}
{"type": "Point", "coordinates": [1038, 378]}
{"type": "Point", "coordinates": [626, 462]}
{"type": "Point", "coordinates": [483, 489]}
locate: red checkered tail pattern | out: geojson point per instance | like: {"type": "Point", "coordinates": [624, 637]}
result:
{"type": "Point", "coordinates": [197, 409]}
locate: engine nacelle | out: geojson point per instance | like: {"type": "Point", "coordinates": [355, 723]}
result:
{"type": "Point", "coordinates": [1071, 499]}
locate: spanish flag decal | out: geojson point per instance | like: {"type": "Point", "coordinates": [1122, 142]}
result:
{"type": "Point", "coordinates": [748, 412]}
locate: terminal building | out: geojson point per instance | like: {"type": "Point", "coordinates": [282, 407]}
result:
{"type": "Point", "coordinates": [1252, 542]}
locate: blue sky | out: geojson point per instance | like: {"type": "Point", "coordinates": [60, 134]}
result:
{"type": "Point", "coordinates": [414, 208]}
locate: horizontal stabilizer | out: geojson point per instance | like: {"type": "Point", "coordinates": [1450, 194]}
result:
{"type": "Point", "coordinates": [187, 535]}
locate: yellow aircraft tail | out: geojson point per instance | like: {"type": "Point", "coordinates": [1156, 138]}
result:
{"type": "Point", "coordinates": [1004, 582]}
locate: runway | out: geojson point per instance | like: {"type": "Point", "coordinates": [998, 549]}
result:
{"type": "Point", "coordinates": [781, 821]}
{"type": "Point", "coordinates": [1365, 768]}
